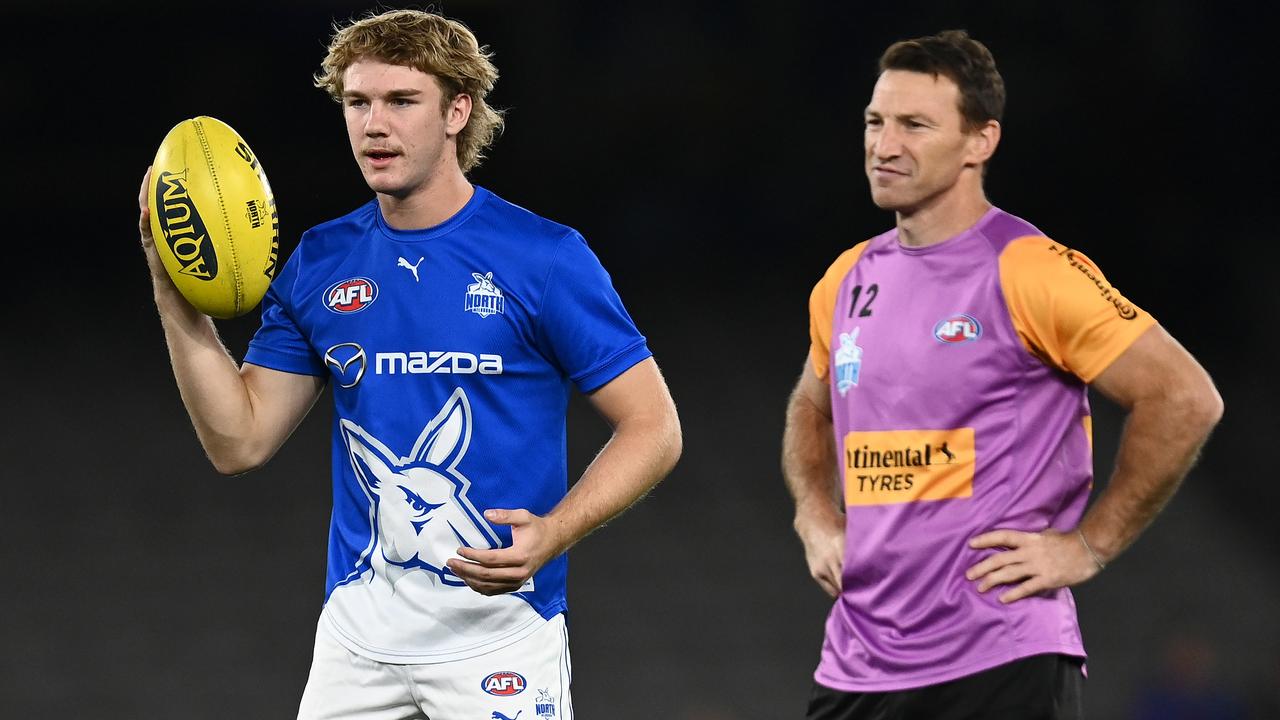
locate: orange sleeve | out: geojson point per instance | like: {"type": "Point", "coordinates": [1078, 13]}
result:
{"type": "Point", "coordinates": [1063, 308]}
{"type": "Point", "coordinates": [822, 308]}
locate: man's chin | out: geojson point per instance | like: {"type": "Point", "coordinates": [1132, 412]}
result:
{"type": "Point", "coordinates": [384, 185]}
{"type": "Point", "coordinates": [889, 201]}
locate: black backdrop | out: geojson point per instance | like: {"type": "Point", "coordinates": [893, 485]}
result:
{"type": "Point", "coordinates": [711, 155]}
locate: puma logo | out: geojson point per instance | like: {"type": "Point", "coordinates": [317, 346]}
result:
{"type": "Point", "coordinates": [401, 262]}
{"type": "Point", "coordinates": [499, 716]}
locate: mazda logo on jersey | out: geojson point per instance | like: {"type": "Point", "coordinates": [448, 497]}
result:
{"type": "Point", "coordinates": [351, 295]}
{"type": "Point", "coordinates": [348, 362]}
{"type": "Point", "coordinates": [957, 329]}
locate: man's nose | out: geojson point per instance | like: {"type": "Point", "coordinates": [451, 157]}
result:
{"type": "Point", "coordinates": [375, 124]}
{"type": "Point", "coordinates": [888, 142]}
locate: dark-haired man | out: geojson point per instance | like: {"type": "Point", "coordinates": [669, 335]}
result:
{"type": "Point", "coordinates": [947, 382]}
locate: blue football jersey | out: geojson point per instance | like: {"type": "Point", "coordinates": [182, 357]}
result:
{"type": "Point", "coordinates": [450, 351]}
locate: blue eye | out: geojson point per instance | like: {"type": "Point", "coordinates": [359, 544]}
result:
{"type": "Point", "coordinates": [422, 507]}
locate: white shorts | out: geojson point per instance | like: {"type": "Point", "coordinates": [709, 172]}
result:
{"type": "Point", "coordinates": [526, 680]}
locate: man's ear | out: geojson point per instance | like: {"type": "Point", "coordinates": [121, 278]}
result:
{"type": "Point", "coordinates": [982, 142]}
{"type": "Point", "coordinates": [457, 113]}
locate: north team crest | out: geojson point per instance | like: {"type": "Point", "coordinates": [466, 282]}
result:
{"type": "Point", "coordinates": [545, 706]}
{"type": "Point", "coordinates": [848, 361]}
{"type": "Point", "coordinates": [483, 297]}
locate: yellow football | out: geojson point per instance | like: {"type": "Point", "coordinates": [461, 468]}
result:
{"type": "Point", "coordinates": [213, 217]}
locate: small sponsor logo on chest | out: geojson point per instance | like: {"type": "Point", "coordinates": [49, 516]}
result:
{"type": "Point", "coordinates": [957, 329]}
{"type": "Point", "coordinates": [351, 295]}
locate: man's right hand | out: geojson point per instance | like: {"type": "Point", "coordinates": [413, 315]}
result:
{"type": "Point", "coordinates": [144, 225]}
{"type": "Point", "coordinates": [823, 538]}
{"type": "Point", "coordinates": [809, 467]}
{"type": "Point", "coordinates": [168, 298]}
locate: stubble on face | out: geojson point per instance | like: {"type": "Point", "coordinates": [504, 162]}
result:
{"type": "Point", "coordinates": [914, 139]}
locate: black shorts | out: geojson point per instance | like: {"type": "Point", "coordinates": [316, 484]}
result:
{"type": "Point", "coordinates": [1040, 687]}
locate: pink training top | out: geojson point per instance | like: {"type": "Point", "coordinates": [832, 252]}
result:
{"type": "Point", "coordinates": [959, 404]}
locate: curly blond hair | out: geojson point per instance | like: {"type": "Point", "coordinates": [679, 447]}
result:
{"type": "Point", "coordinates": [434, 44]}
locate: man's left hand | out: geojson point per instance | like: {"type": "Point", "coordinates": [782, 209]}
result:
{"type": "Point", "coordinates": [504, 570]}
{"type": "Point", "coordinates": [1037, 562]}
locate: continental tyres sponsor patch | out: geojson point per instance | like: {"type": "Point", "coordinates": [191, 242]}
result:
{"type": "Point", "coordinates": [900, 466]}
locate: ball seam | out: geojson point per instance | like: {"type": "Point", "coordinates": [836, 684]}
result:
{"type": "Point", "coordinates": [226, 219]}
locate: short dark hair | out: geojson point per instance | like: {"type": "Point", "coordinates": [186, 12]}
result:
{"type": "Point", "coordinates": [958, 57]}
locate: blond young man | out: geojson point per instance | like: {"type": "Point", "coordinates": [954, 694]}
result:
{"type": "Point", "coordinates": [938, 442]}
{"type": "Point", "coordinates": [450, 324]}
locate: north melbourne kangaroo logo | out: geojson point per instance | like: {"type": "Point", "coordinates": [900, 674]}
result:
{"type": "Point", "coordinates": [484, 297]}
{"type": "Point", "coordinates": [420, 513]}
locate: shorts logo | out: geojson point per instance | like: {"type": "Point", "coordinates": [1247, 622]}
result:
{"type": "Point", "coordinates": [545, 706]}
{"type": "Point", "coordinates": [957, 329]}
{"type": "Point", "coordinates": [348, 362]}
{"type": "Point", "coordinates": [848, 361]}
{"type": "Point", "coordinates": [351, 295]}
{"type": "Point", "coordinates": [503, 684]}
{"type": "Point", "coordinates": [483, 297]}
{"type": "Point", "coordinates": [889, 467]}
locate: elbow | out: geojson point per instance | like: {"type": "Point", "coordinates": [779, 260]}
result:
{"type": "Point", "coordinates": [1200, 409]}
{"type": "Point", "coordinates": [673, 444]}
{"type": "Point", "coordinates": [1208, 408]}
{"type": "Point", "coordinates": [231, 467]}
{"type": "Point", "coordinates": [230, 462]}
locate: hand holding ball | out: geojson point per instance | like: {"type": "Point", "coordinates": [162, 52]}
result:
{"type": "Point", "coordinates": [213, 217]}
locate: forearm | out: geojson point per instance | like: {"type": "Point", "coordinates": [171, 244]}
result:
{"type": "Point", "coordinates": [1160, 443]}
{"type": "Point", "coordinates": [209, 382]}
{"type": "Point", "coordinates": [809, 462]}
{"type": "Point", "coordinates": [642, 451]}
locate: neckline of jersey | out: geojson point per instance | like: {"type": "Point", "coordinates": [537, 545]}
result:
{"type": "Point", "coordinates": [478, 197]}
{"type": "Point", "coordinates": [973, 230]}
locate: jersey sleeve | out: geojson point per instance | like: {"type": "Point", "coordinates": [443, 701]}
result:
{"type": "Point", "coordinates": [1064, 310]}
{"type": "Point", "coordinates": [583, 327]}
{"type": "Point", "coordinates": [822, 308]}
{"type": "Point", "coordinates": [279, 343]}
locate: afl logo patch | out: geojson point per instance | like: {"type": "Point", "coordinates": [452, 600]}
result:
{"type": "Point", "coordinates": [958, 329]}
{"type": "Point", "coordinates": [503, 684]}
{"type": "Point", "coordinates": [351, 295]}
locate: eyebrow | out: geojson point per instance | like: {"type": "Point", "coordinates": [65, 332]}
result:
{"type": "Point", "coordinates": [398, 93]}
{"type": "Point", "coordinates": [900, 116]}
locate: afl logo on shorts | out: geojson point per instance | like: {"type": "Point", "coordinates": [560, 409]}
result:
{"type": "Point", "coordinates": [351, 295]}
{"type": "Point", "coordinates": [503, 684]}
{"type": "Point", "coordinates": [958, 329]}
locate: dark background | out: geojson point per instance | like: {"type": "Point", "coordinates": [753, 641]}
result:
{"type": "Point", "coordinates": [711, 155]}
